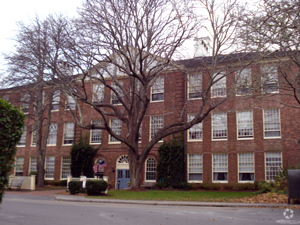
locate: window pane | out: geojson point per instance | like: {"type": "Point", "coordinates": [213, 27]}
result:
{"type": "Point", "coordinates": [33, 164]}
{"type": "Point", "coordinates": [52, 134]}
{"type": "Point", "coordinates": [158, 89]}
{"type": "Point", "coordinates": [116, 126]}
{"type": "Point", "coordinates": [273, 165]}
{"type": "Point", "coordinates": [272, 123]}
{"type": "Point", "coordinates": [246, 166]}
{"type": "Point", "coordinates": [243, 81]}
{"type": "Point", "coordinates": [96, 134]}
{"type": "Point", "coordinates": [219, 88]}
{"type": "Point", "coordinates": [220, 167]}
{"type": "Point", "coordinates": [195, 132]}
{"type": "Point", "coordinates": [195, 85]}
{"type": "Point", "coordinates": [66, 169]}
{"type": "Point", "coordinates": [22, 141]}
{"type": "Point", "coordinates": [269, 78]}
{"type": "Point", "coordinates": [69, 133]}
{"type": "Point", "coordinates": [19, 166]}
{"type": "Point", "coordinates": [151, 169]}
{"type": "Point", "coordinates": [50, 166]}
{"type": "Point", "coordinates": [245, 124]}
{"type": "Point", "coordinates": [156, 124]}
{"type": "Point", "coordinates": [195, 167]}
{"type": "Point", "coordinates": [56, 100]}
{"type": "Point", "coordinates": [219, 125]}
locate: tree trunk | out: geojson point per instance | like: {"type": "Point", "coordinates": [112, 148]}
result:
{"type": "Point", "coordinates": [135, 168]}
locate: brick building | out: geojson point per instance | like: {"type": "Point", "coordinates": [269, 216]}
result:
{"type": "Point", "coordinates": [248, 138]}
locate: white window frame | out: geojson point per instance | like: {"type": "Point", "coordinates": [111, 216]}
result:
{"type": "Point", "coordinates": [246, 167]}
{"type": "Point", "coordinates": [65, 167]}
{"type": "Point", "coordinates": [245, 130]}
{"type": "Point", "coordinates": [218, 89]}
{"type": "Point", "coordinates": [272, 124]}
{"type": "Point", "coordinates": [55, 100]}
{"type": "Point", "coordinates": [243, 81]}
{"type": "Point", "coordinates": [25, 103]}
{"type": "Point", "coordinates": [115, 100]}
{"type": "Point", "coordinates": [33, 164]}
{"type": "Point", "coordinates": [156, 123]}
{"type": "Point", "coordinates": [33, 136]}
{"type": "Point", "coordinates": [22, 142]}
{"type": "Point", "coordinates": [69, 129]}
{"type": "Point", "coordinates": [150, 169]}
{"type": "Point", "coordinates": [195, 167]}
{"type": "Point", "coordinates": [269, 78]}
{"type": "Point", "coordinates": [96, 134]}
{"type": "Point", "coordinates": [52, 137]}
{"type": "Point", "coordinates": [49, 167]}
{"type": "Point", "coordinates": [195, 86]}
{"type": "Point", "coordinates": [157, 89]}
{"type": "Point", "coordinates": [219, 167]}
{"type": "Point", "coordinates": [272, 165]}
{"type": "Point", "coordinates": [195, 133]}
{"type": "Point", "coordinates": [19, 166]}
{"type": "Point", "coordinates": [219, 126]}
{"type": "Point", "coordinates": [70, 103]}
{"type": "Point", "coordinates": [98, 93]}
{"type": "Point", "coordinates": [116, 127]}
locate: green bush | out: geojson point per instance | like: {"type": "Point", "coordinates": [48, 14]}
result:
{"type": "Point", "coordinates": [95, 187]}
{"type": "Point", "coordinates": [75, 187]}
{"type": "Point", "coordinates": [11, 129]}
{"type": "Point", "coordinates": [181, 185]}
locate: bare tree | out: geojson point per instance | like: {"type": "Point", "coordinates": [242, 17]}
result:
{"type": "Point", "coordinates": [127, 46]}
{"type": "Point", "coordinates": [34, 66]}
{"type": "Point", "coordinates": [273, 28]}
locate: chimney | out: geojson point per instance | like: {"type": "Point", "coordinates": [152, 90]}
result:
{"type": "Point", "coordinates": [202, 46]}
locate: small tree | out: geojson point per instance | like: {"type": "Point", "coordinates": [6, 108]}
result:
{"type": "Point", "coordinates": [82, 155]}
{"type": "Point", "coordinates": [170, 168]}
{"type": "Point", "coordinates": [11, 129]}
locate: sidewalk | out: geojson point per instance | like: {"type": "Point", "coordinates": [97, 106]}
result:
{"type": "Point", "coordinates": [76, 198]}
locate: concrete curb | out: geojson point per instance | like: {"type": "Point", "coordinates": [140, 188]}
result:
{"type": "Point", "coordinates": [70, 198]}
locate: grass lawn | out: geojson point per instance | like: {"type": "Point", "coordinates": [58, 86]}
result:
{"type": "Point", "coordinates": [202, 196]}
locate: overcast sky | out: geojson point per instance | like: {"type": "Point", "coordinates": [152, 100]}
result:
{"type": "Point", "coordinates": [12, 11]}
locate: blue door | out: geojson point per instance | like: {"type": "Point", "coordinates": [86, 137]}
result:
{"type": "Point", "coordinates": [123, 178]}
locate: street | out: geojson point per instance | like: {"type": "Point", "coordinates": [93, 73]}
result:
{"type": "Point", "coordinates": [32, 210]}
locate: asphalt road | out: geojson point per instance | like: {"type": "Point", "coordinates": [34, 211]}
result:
{"type": "Point", "coordinates": [44, 210]}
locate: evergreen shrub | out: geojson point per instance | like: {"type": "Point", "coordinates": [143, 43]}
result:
{"type": "Point", "coordinates": [75, 187]}
{"type": "Point", "coordinates": [95, 187]}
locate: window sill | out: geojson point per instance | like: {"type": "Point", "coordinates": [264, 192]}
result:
{"type": "Point", "coordinates": [195, 140]}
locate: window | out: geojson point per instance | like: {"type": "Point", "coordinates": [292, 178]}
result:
{"type": "Point", "coordinates": [271, 123]}
{"type": "Point", "coordinates": [55, 100]}
{"type": "Point", "coordinates": [70, 103]}
{"type": "Point", "coordinates": [22, 141]}
{"type": "Point", "coordinates": [245, 124]}
{"type": "Point", "coordinates": [151, 169]}
{"type": "Point", "coordinates": [219, 126]}
{"type": "Point", "coordinates": [220, 168]}
{"type": "Point", "coordinates": [195, 132]}
{"type": "Point", "coordinates": [50, 166]}
{"type": "Point", "coordinates": [195, 163]}
{"type": "Point", "coordinates": [115, 97]}
{"type": "Point", "coordinates": [269, 78]}
{"type": "Point", "coordinates": [66, 167]}
{"type": "Point", "coordinates": [33, 164]}
{"type": "Point", "coordinates": [69, 133]}
{"type": "Point", "coordinates": [98, 93]}
{"type": "Point", "coordinates": [52, 137]}
{"type": "Point", "coordinates": [19, 166]}
{"type": "Point", "coordinates": [273, 165]}
{"type": "Point", "coordinates": [157, 123]}
{"type": "Point", "coordinates": [246, 167]}
{"type": "Point", "coordinates": [218, 89]}
{"type": "Point", "coordinates": [116, 127]}
{"type": "Point", "coordinates": [96, 134]}
{"type": "Point", "coordinates": [195, 86]}
{"type": "Point", "coordinates": [33, 136]}
{"type": "Point", "coordinates": [157, 90]}
{"type": "Point", "coordinates": [25, 103]}
{"type": "Point", "coordinates": [243, 81]}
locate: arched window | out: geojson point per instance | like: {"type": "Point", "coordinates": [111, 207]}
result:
{"type": "Point", "coordinates": [151, 169]}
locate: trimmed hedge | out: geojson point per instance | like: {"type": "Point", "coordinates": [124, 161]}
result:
{"type": "Point", "coordinates": [95, 187]}
{"type": "Point", "coordinates": [75, 187]}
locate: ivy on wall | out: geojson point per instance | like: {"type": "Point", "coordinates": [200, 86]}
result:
{"type": "Point", "coordinates": [82, 156]}
{"type": "Point", "coordinates": [170, 168]}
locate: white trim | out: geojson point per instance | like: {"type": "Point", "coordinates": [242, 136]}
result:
{"type": "Point", "coordinates": [279, 124]}
{"type": "Point", "coordinates": [237, 125]}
